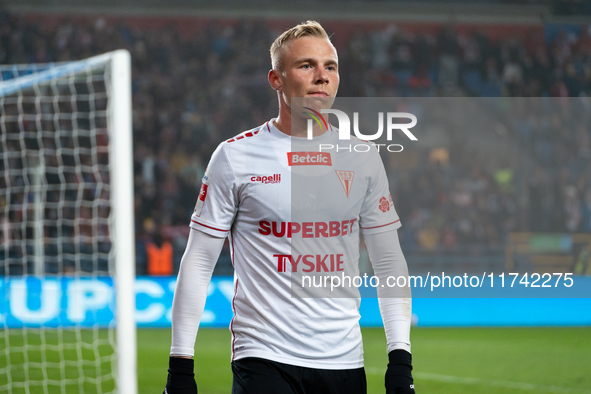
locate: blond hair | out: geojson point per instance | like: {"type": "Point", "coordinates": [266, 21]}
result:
{"type": "Point", "coordinates": [308, 28]}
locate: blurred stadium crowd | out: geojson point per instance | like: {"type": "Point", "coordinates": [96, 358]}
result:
{"type": "Point", "coordinates": [192, 92]}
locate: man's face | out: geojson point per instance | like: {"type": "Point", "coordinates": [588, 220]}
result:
{"type": "Point", "coordinates": [310, 69]}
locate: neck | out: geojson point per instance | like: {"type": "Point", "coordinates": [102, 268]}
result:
{"type": "Point", "coordinates": [285, 121]}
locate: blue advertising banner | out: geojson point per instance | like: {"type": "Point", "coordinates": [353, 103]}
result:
{"type": "Point", "coordinates": [51, 302]}
{"type": "Point", "coordinates": [86, 302]}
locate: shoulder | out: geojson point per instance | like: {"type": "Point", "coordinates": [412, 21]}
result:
{"type": "Point", "coordinates": [248, 136]}
{"type": "Point", "coordinates": [238, 149]}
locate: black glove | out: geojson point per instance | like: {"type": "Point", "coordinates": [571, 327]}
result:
{"type": "Point", "coordinates": [398, 375]}
{"type": "Point", "coordinates": [181, 379]}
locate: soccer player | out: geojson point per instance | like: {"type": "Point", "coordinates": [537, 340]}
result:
{"type": "Point", "coordinates": [254, 192]}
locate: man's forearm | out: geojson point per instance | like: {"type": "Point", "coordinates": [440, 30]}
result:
{"type": "Point", "coordinates": [395, 303]}
{"type": "Point", "coordinates": [190, 293]}
{"type": "Point", "coordinates": [396, 315]}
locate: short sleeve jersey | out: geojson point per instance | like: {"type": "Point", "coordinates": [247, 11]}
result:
{"type": "Point", "coordinates": [252, 192]}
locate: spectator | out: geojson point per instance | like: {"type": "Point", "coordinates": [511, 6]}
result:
{"type": "Point", "coordinates": [188, 89]}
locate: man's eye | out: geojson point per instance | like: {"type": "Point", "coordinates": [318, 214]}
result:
{"type": "Point", "coordinates": [305, 66]}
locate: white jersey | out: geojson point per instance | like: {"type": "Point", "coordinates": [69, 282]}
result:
{"type": "Point", "coordinates": [249, 194]}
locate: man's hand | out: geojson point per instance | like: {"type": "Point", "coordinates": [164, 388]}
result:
{"type": "Point", "coordinates": [398, 375]}
{"type": "Point", "coordinates": [181, 379]}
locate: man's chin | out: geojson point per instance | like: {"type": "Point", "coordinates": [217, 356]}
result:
{"type": "Point", "coordinates": [317, 102]}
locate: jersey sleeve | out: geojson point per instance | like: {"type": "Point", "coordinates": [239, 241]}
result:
{"type": "Point", "coordinates": [218, 200]}
{"type": "Point", "coordinates": [378, 213]}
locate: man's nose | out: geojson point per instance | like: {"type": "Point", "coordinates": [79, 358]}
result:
{"type": "Point", "coordinates": [321, 76]}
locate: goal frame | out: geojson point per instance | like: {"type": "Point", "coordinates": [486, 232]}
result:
{"type": "Point", "coordinates": [120, 134]}
{"type": "Point", "coordinates": [121, 169]}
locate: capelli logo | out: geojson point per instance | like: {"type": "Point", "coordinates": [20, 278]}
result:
{"type": "Point", "coordinates": [275, 178]}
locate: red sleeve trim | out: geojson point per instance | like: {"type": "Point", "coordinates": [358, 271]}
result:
{"type": "Point", "coordinates": [383, 225]}
{"type": "Point", "coordinates": [232, 322]}
{"type": "Point", "coordinates": [213, 228]}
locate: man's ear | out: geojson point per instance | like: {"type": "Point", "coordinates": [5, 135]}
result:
{"type": "Point", "coordinates": [274, 80]}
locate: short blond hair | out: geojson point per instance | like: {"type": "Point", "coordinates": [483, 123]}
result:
{"type": "Point", "coordinates": [304, 29]}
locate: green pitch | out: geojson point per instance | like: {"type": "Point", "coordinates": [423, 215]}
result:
{"type": "Point", "coordinates": [446, 360]}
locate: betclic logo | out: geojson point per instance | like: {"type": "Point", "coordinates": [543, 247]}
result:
{"type": "Point", "coordinates": [308, 159]}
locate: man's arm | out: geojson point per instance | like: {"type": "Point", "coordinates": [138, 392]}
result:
{"type": "Point", "coordinates": [188, 304]}
{"type": "Point", "coordinates": [395, 307]}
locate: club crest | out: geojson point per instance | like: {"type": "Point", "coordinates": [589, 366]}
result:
{"type": "Point", "coordinates": [346, 178]}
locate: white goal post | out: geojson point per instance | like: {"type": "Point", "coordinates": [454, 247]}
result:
{"type": "Point", "coordinates": [67, 238]}
{"type": "Point", "coordinates": [122, 172]}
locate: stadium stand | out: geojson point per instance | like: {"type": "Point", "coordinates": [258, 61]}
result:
{"type": "Point", "coordinates": [193, 89]}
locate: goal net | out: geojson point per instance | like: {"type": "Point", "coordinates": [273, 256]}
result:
{"type": "Point", "coordinates": [67, 261]}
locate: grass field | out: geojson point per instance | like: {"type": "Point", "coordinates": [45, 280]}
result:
{"type": "Point", "coordinates": [446, 360]}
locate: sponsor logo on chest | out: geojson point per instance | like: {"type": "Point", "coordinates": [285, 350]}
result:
{"type": "Point", "coordinates": [275, 178]}
{"type": "Point", "coordinates": [309, 159]}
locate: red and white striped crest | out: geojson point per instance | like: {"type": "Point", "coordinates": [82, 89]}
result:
{"type": "Point", "coordinates": [346, 178]}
